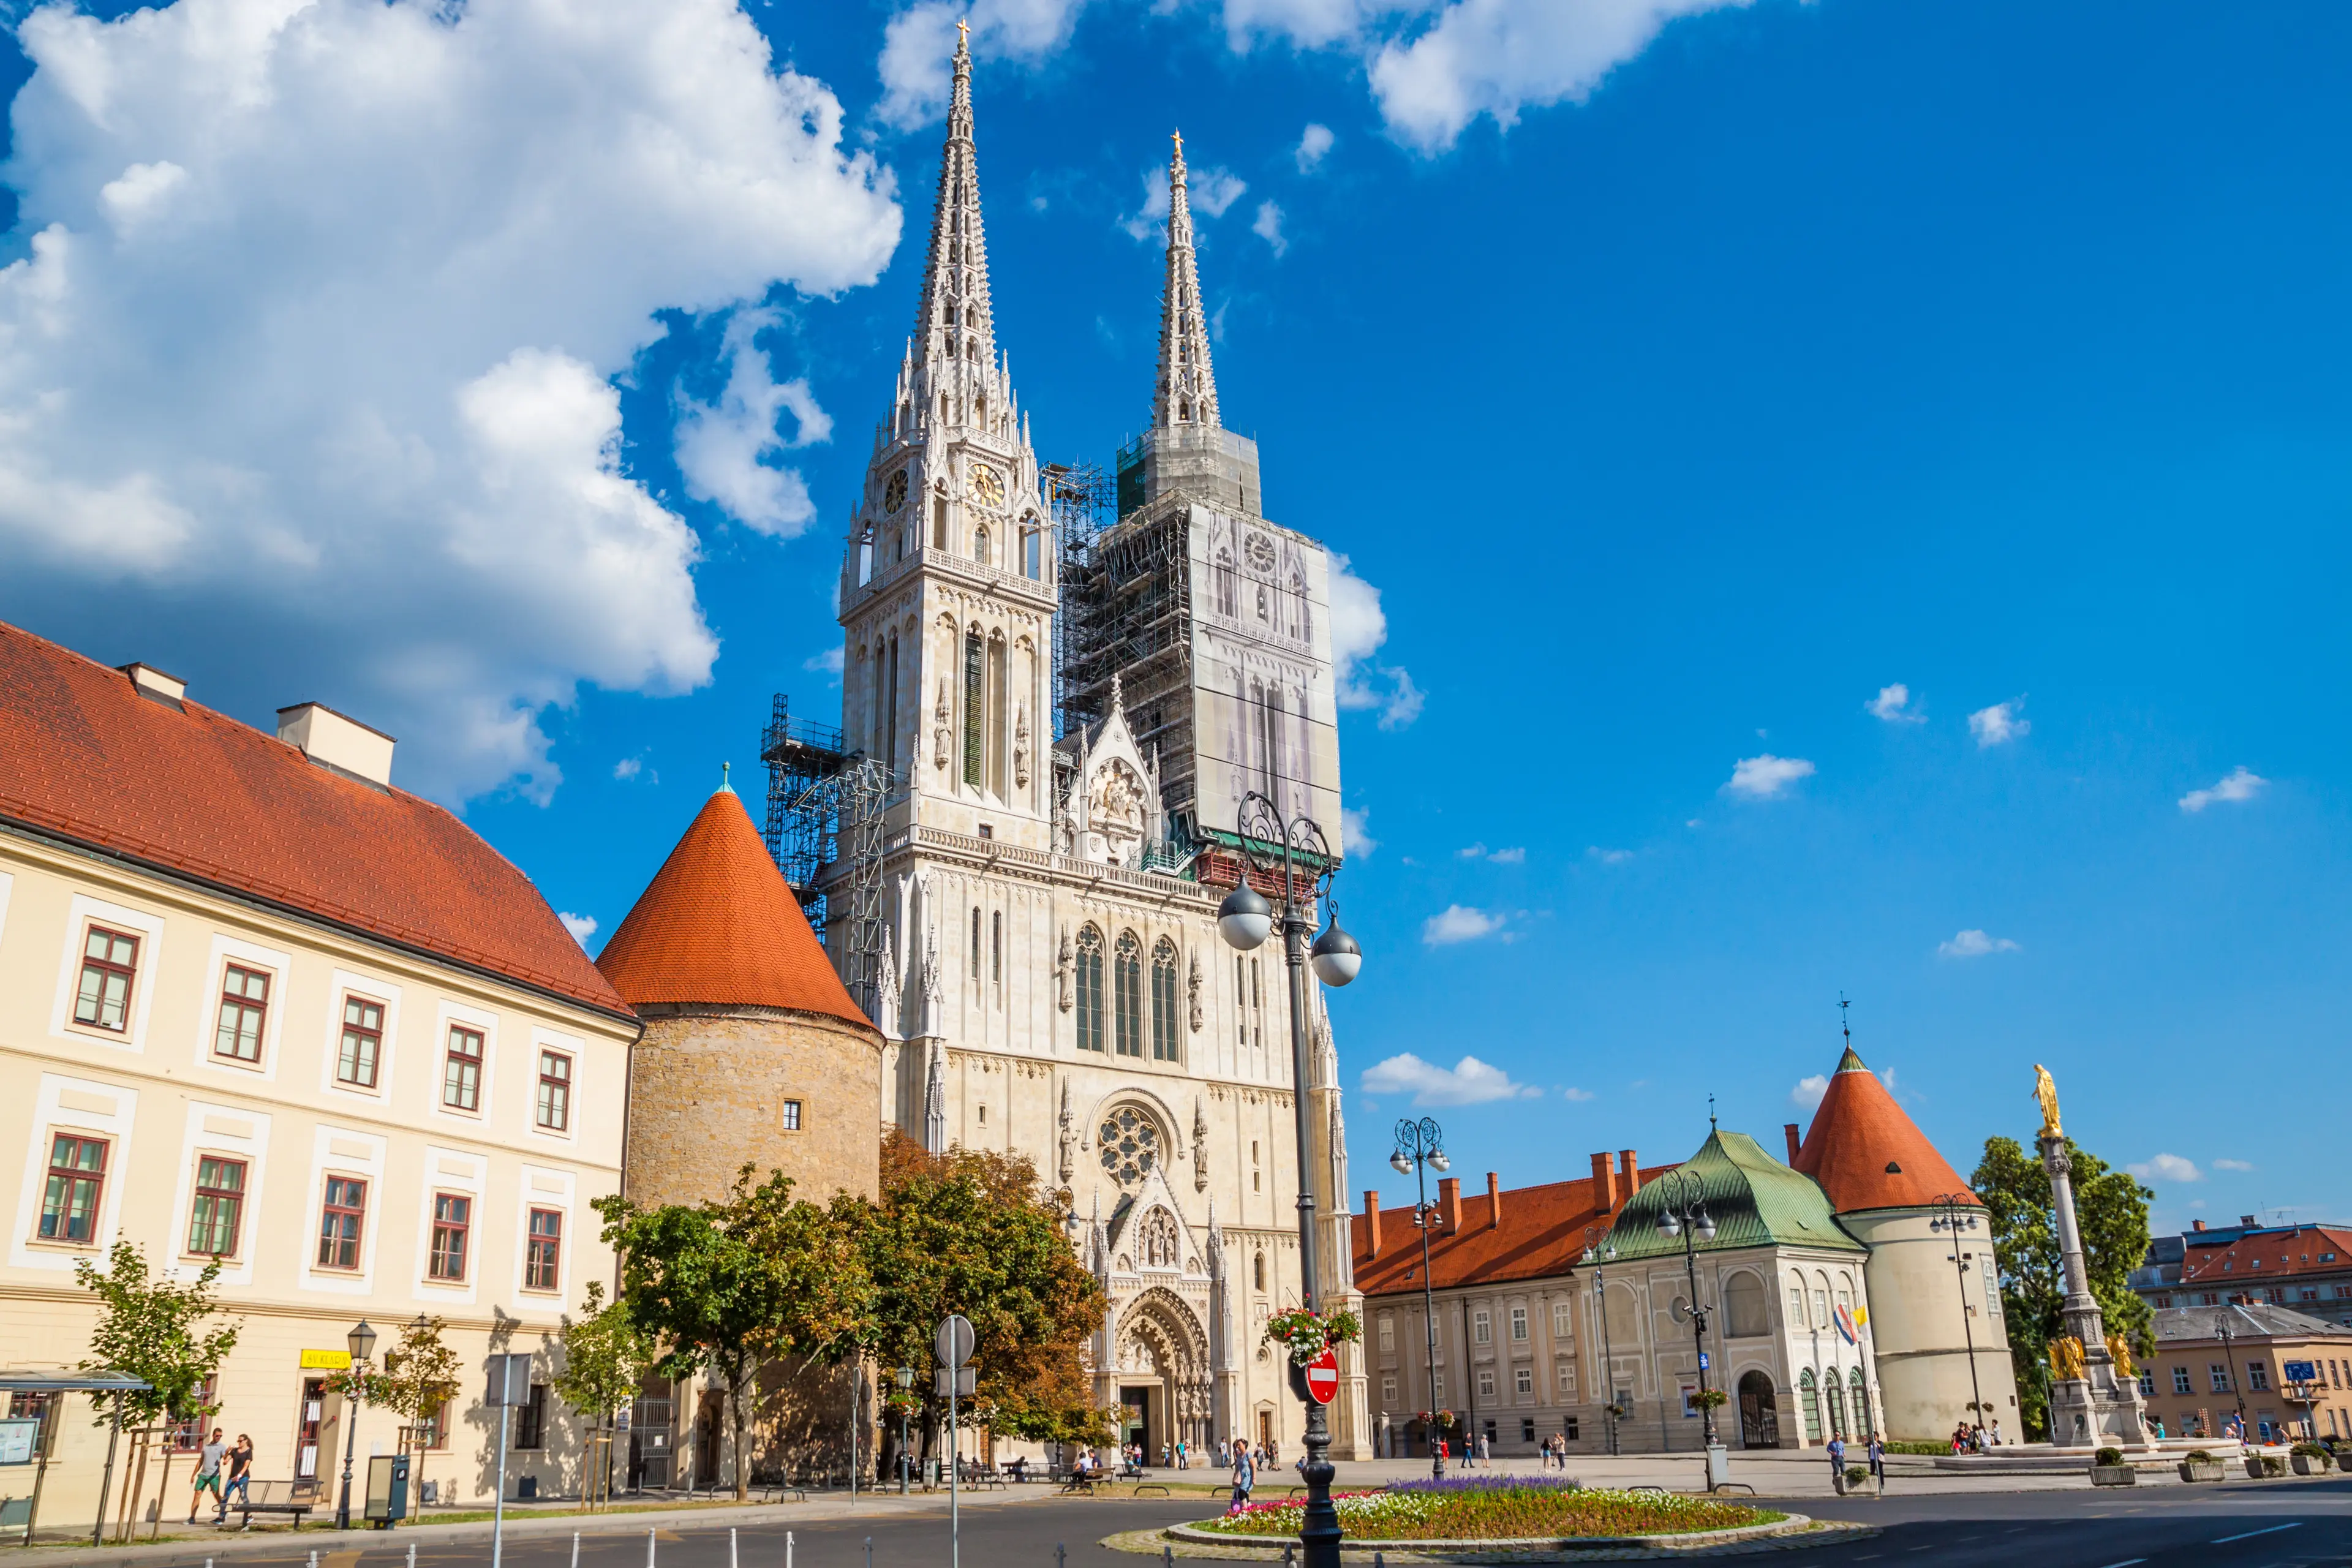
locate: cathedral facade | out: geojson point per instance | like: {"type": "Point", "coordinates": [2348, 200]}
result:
{"type": "Point", "coordinates": [1051, 982]}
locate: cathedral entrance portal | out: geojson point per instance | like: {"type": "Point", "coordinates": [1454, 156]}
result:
{"type": "Point", "coordinates": [1135, 1423]}
{"type": "Point", "coordinates": [1163, 1375]}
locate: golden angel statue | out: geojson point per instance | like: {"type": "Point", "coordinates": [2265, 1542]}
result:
{"type": "Point", "coordinates": [2067, 1358]}
{"type": "Point", "coordinates": [2045, 1094]}
{"type": "Point", "coordinates": [2119, 1352]}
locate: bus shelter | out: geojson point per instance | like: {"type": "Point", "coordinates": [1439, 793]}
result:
{"type": "Point", "coordinates": [27, 1440]}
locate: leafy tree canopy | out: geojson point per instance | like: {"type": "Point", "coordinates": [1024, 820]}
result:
{"type": "Point", "coordinates": [606, 1354]}
{"type": "Point", "coordinates": [148, 1328]}
{"type": "Point", "coordinates": [2110, 1211]}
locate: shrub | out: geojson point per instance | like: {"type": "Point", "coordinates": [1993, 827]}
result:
{"type": "Point", "coordinates": [2108, 1457]}
{"type": "Point", "coordinates": [1855, 1475]}
{"type": "Point", "coordinates": [2309, 1450]}
{"type": "Point", "coordinates": [1918, 1447]}
{"type": "Point", "coordinates": [2200, 1457]}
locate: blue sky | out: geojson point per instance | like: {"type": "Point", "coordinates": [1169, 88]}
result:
{"type": "Point", "coordinates": [1681, 375]}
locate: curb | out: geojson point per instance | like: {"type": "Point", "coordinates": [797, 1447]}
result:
{"type": "Point", "coordinates": [1794, 1534]}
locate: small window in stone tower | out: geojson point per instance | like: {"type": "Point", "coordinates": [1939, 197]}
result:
{"type": "Point", "coordinates": [792, 1116]}
{"type": "Point", "coordinates": [983, 1116]}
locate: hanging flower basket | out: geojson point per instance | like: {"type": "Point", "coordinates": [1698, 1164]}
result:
{"type": "Point", "coordinates": [1305, 1334]}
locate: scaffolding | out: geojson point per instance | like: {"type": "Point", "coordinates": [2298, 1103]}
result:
{"type": "Point", "coordinates": [1078, 496]}
{"type": "Point", "coordinates": [825, 810]}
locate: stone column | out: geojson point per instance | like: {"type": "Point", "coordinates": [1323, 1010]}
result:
{"type": "Point", "coordinates": [2101, 1405]}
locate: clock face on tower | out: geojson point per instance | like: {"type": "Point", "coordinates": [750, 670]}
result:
{"type": "Point", "coordinates": [986, 485]}
{"type": "Point", "coordinates": [1260, 551]}
{"type": "Point", "coordinates": [894, 492]}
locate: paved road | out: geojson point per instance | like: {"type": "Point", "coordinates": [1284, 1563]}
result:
{"type": "Point", "coordinates": [2290, 1525]}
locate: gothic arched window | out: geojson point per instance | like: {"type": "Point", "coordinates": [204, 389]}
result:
{"type": "Point", "coordinates": [940, 501]}
{"type": "Point", "coordinates": [1227, 603]}
{"type": "Point", "coordinates": [975, 942]}
{"type": "Point", "coordinates": [1861, 1403]}
{"type": "Point", "coordinates": [1126, 994]}
{"type": "Point", "coordinates": [980, 545]}
{"type": "Point", "coordinates": [1090, 990]}
{"type": "Point", "coordinates": [1033, 549]}
{"type": "Point", "coordinates": [1164, 1002]}
{"type": "Point", "coordinates": [1130, 1145]}
{"type": "Point", "coordinates": [974, 696]}
{"type": "Point", "coordinates": [1257, 1270]}
{"type": "Point", "coordinates": [1809, 1400]}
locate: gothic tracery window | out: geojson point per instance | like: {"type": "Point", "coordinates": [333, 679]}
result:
{"type": "Point", "coordinates": [1129, 1146]}
{"type": "Point", "coordinates": [1164, 1001]}
{"type": "Point", "coordinates": [1126, 994]}
{"type": "Point", "coordinates": [1090, 990]}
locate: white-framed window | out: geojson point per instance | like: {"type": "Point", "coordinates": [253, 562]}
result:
{"type": "Point", "coordinates": [109, 954]}
{"type": "Point", "coordinates": [552, 1106]}
{"type": "Point", "coordinates": [1387, 1393]}
{"type": "Point", "coordinates": [1482, 1327]}
{"type": "Point", "coordinates": [1526, 1380]}
{"type": "Point", "coordinates": [1563, 1320]}
{"type": "Point", "coordinates": [462, 1058]}
{"type": "Point", "coordinates": [244, 1014]}
{"type": "Point", "coordinates": [1519, 1325]}
{"type": "Point", "coordinates": [2181, 1381]}
{"type": "Point", "coordinates": [359, 1043]}
{"type": "Point", "coordinates": [792, 1116]}
{"type": "Point", "coordinates": [1564, 1377]}
{"type": "Point", "coordinates": [1388, 1335]}
{"type": "Point", "coordinates": [1486, 1383]}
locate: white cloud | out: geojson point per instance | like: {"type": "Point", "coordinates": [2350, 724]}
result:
{"type": "Point", "coordinates": [1498, 56]}
{"type": "Point", "coordinates": [1358, 627]}
{"type": "Point", "coordinates": [918, 45]}
{"type": "Point", "coordinates": [316, 331]}
{"type": "Point", "coordinates": [1974, 944]}
{"type": "Point", "coordinates": [1807, 1095]}
{"type": "Point", "coordinates": [1999, 724]}
{"type": "Point", "coordinates": [581, 927]}
{"type": "Point", "coordinates": [2166, 1168]}
{"type": "Point", "coordinates": [1213, 190]}
{"type": "Point", "coordinates": [721, 446]}
{"type": "Point", "coordinates": [628, 768]}
{"type": "Point", "coordinates": [1579, 1095]}
{"type": "Point", "coordinates": [1459, 922]}
{"type": "Point", "coordinates": [2241, 786]}
{"type": "Point", "coordinates": [1269, 227]}
{"type": "Point", "coordinates": [828, 662]}
{"type": "Point", "coordinates": [1210, 191]}
{"type": "Point", "coordinates": [1314, 142]}
{"type": "Point", "coordinates": [1608, 856]}
{"type": "Point", "coordinates": [2233, 1165]}
{"type": "Point", "coordinates": [1511, 856]}
{"type": "Point", "coordinates": [1893, 704]}
{"type": "Point", "coordinates": [1468, 1082]}
{"type": "Point", "coordinates": [1763, 777]}
{"type": "Point", "coordinates": [1356, 840]}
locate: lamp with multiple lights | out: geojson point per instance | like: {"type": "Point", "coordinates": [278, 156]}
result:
{"type": "Point", "coordinates": [361, 1341]}
{"type": "Point", "coordinates": [1420, 1149]}
{"type": "Point", "coordinates": [1683, 1212]}
{"type": "Point", "coordinates": [1955, 1216]}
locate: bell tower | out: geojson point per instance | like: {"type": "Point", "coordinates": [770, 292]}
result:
{"type": "Point", "coordinates": [947, 583]}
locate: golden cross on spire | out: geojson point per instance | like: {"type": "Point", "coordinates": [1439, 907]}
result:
{"type": "Point", "coordinates": [1178, 136]}
{"type": "Point", "coordinates": [963, 33]}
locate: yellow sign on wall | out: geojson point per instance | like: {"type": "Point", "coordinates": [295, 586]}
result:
{"type": "Point", "coordinates": [326, 1361]}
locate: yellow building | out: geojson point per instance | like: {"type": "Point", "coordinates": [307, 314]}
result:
{"type": "Point", "coordinates": [258, 1004]}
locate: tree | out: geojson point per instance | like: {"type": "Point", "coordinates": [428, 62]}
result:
{"type": "Point", "coordinates": [729, 1285]}
{"type": "Point", "coordinates": [419, 1377]}
{"type": "Point", "coordinates": [966, 1232]}
{"type": "Point", "coordinates": [2110, 1213]}
{"type": "Point", "coordinates": [148, 1328]}
{"type": "Point", "coordinates": [605, 1356]}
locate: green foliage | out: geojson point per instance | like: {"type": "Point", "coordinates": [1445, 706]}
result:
{"type": "Point", "coordinates": [419, 1374]}
{"type": "Point", "coordinates": [2108, 1457]}
{"type": "Point", "coordinates": [1710, 1399]}
{"type": "Point", "coordinates": [148, 1328]}
{"type": "Point", "coordinates": [966, 1232]}
{"type": "Point", "coordinates": [605, 1356]}
{"type": "Point", "coordinates": [730, 1285]}
{"type": "Point", "coordinates": [1497, 1507]}
{"type": "Point", "coordinates": [2110, 1211]}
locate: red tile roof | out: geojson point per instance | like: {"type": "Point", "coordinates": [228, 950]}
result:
{"type": "Point", "coordinates": [1541, 1235]}
{"type": "Point", "coordinates": [2282, 1253]}
{"type": "Point", "coordinates": [1866, 1154]}
{"type": "Point", "coordinates": [83, 756]}
{"type": "Point", "coordinates": [718, 926]}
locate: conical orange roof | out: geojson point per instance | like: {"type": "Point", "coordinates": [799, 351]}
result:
{"type": "Point", "coordinates": [717, 927]}
{"type": "Point", "coordinates": [1863, 1151]}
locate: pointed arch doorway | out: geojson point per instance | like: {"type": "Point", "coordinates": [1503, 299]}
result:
{"type": "Point", "coordinates": [1760, 1415]}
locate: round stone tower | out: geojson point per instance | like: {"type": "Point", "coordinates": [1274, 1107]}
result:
{"type": "Point", "coordinates": [752, 1050]}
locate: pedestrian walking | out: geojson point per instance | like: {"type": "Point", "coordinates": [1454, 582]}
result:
{"type": "Point", "coordinates": [1837, 1464]}
{"type": "Point", "coordinates": [1244, 1477]}
{"type": "Point", "coordinates": [1483, 1454]}
{"type": "Point", "coordinates": [240, 1474]}
{"type": "Point", "coordinates": [208, 1477]}
{"type": "Point", "coordinates": [1878, 1463]}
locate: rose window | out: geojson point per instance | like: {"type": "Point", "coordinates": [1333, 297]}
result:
{"type": "Point", "coordinates": [1130, 1146]}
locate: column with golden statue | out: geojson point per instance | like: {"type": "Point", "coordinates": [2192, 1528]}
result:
{"type": "Point", "coordinates": [2095, 1398]}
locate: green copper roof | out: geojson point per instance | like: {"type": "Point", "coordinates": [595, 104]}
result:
{"type": "Point", "coordinates": [1755, 1199]}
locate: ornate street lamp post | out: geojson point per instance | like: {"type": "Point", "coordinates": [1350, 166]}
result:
{"type": "Point", "coordinates": [1954, 1214]}
{"type": "Point", "coordinates": [1608, 1254]}
{"type": "Point", "coordinates": [1296, 850]}
{"type": "Point", "coordinates": [1421, 1148]}
{"type": "Point", "coordinates": [2230, 1360]}
{"type": "Point", "coordinates": [1684, 1214]}
{"type": "Point", "coordinates": [361, 1341]}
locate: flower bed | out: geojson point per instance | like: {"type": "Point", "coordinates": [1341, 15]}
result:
{"type": "Point", "coordinates": [1500, 1507]}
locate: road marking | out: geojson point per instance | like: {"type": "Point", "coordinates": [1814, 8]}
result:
{"type": "Point", "coordinates": [2250, 1534]}
{"type": "Point", "coordinates": [2127, 1563]}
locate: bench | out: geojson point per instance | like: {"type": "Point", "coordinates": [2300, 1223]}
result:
{"type": "Point", "coordinates": [293, 1498]}
{"type": "Point", "coordinates": [1082, 1485]}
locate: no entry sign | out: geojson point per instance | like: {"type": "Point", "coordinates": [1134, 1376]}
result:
{"type": "Point", "coordinates": [1323, 1378]}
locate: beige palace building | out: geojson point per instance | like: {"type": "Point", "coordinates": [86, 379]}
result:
{"type": "Point", "coordinates": [258, 1004]}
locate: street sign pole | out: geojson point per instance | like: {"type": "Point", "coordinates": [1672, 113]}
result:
{"type": "Point", "coordinates": [954, 1346]}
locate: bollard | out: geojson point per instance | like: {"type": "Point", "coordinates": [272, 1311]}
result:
{"type": "Point", "coordinates": [1380, 1560]}
{"type": "Point", "coordinates": [1058, 1555]}
{"type": "Point", "coordinates": [412, 1555]}
{"type": "Point", "coordinates": [649, 1549]}
{"type": "Point", "coordinates": [788, 1549]}
{"type": "Point", "coordinates": [870, 1552]}
{"type": "Point", "coordinates": [314, 1557]}
{"type": "Point", "coordinates": [1167, 1556]}
{"type": "Point", "coordinates": [1286, 1560]}
{"type": "Point", "coordinates": [575, 1550]}
{"type": "Point", "coordinates": [731, 1559]}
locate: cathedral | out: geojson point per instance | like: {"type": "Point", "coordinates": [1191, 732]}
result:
{"type": "Point", "coordinates": [1060, 826]}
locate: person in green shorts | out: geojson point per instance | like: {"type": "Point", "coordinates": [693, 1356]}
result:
{"type": "Point", "coordinates": [208, 1477]}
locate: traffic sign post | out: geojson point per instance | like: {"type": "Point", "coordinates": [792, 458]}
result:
{"type": "Point", "coordinates": [954, 1346]}
{"type": "Point", "coordinates": [1323, 1377]}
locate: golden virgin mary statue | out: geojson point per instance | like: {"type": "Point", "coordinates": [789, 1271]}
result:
{"type": "Point", "coordinates": [2045, 1094]}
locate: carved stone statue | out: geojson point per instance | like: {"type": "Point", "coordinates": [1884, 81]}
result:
{"type": "Point", "coordinates": [1159, 1246]}
{"type": "Point", "coordinates": [1119, 801]}
{"type": "Point", "coordinates": [1065, 963]}
{"type": "Point", "coordinates": [1021, 746]}
{"type": "Point", "coordinates": [1193, 989]}
{"type": "Point", "coordinates": [942, 731]}
{"type": "Point", "coordinates": [2045, 1094]}
{"type": "Point", "coordinates": [1199, 1144]}
{"type": "Point", "coordinates": [1069, 1136]}
{"type": "Point", "coordinates": [2067, 1358]}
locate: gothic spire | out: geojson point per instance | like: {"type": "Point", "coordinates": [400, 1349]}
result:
{"type": "Point", "coordinates": [1186, 392]}
{"type": "Point", "coordinates": [954, 321]}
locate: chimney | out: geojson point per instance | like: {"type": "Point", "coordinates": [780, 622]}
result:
{"type": "Point", "coordinates": [1789, 1129]}
{"type": "Point", "coordinates": [155, 685]}
{"type": "Point", "coordinates": [1494, 1202]}
{"type": "Point", "coordinates": [1449, 1201]}
{"type": "Point", "coordinates": [2246, 1220]}
{"type": "Point", "coordinates": [2197, 1224]}
{"type": "Point", "coordinates": [337, 744]}
{"type": "Point", "coordinates": [1631, 1170]}
{"type": "Point", "coordinates": [1604, 1184]}
{"type": "Point", "coordinates": [1372, 1223]}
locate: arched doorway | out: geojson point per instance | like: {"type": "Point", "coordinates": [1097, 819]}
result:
{"type": "Point", "coordinates": [1162, 1390]}
{"type": "Point", "coordinates": [1759, 1416]}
